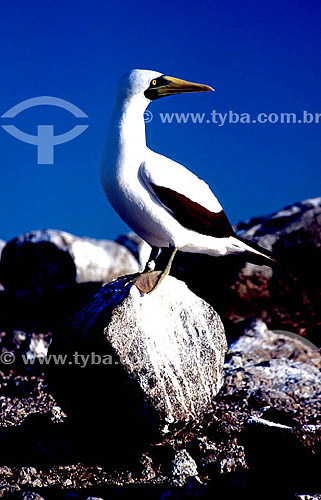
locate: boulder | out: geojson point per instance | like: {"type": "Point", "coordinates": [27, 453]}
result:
{"type": "Point", "coordinates": [2, 244]}
{"type": "Point", "coordinates": [289, 297]}
{"type": "Point", "coordinates": [94, 259]}
{"type": "Point", "coordinates": [304, 217]}
{"type": "Point", "coordinates": [30, 270]}
{"type": "Point", "coordinates": [266, 425]}
{"type": "Point", "coordinates": [278, 369]}
{"type": "Point", "coordinates": [156, 359]}
{"type": "Point", "coordinates": [173, 344]}
{"type": "Point", "coordinates": [48, 275]}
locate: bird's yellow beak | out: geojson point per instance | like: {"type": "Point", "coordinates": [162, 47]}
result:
{"type": "Point", "coordinates": [177, 86]}
{"type": "Point", "coordinates": [167, 85]}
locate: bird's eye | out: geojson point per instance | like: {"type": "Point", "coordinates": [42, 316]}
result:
{"type": "Point", "coordinates": [154, 82]}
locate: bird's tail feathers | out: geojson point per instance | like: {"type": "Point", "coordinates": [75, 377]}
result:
{"type": "Point", "coordinates": [261, 255]}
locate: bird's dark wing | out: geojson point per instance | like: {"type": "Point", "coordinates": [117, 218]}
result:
{"type": "Point", "coordinates": [192, 215]}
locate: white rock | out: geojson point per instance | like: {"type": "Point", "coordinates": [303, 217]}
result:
{"type": "Point", "coordinates": [95, 260]}
{"type": "Point", "coordinates": [183, 467]}
{"type": "Point", "coordinates": [281, 365]}
{"type": "Point", "coordinates": [2, 244]}
{"type": "Point", "coordinates": [173, 344]}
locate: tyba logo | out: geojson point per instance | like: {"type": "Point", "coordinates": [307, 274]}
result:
{"type": "Point", "coordinates": [45, 140]}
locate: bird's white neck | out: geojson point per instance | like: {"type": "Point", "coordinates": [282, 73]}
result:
{"type": "Point", "coordinates": [125, 145]}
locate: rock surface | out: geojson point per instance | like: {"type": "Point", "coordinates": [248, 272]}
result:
{"type": "Point", "coordinates": [263, 428]}
{"type": "Point", "coordinates": [46, 276]}
{"type": "Point", "coordinates": [290, 296]}
{"type": "Point", "coordinates": [279, 369]}
{"type": "Point", "coordinates": [308, 497]}
{"type": "Point", "coordinates": [94, 259]}
{"type": "Point", "coordinates": [183, 468]}
{"type": "Point", "coordinates": [169, 346]}
{"type": "Point", "coordinates": [304, 217]}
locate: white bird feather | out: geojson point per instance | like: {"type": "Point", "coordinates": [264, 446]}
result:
{"type": "Point", "coordinates": [161, 200]}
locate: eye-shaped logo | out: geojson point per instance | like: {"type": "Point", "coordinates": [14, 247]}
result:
{"type": "Point", "coordinates": [45, 140]}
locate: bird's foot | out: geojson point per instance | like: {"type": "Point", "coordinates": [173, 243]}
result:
{"type": "Point", "coordinates": [146, 282]}
{"type": "Point", "coordinates": [149, 279]}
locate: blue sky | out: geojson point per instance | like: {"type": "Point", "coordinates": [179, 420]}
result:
{"type": "Point", "coordinates": [261, 57]}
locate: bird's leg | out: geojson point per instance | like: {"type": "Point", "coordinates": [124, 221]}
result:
{"type": "Point", "coordinates": [149, 280]}
{"type": "Point", "coordinates": [150, 264]}
{"type": "Point", "coordinates": [167, 269]}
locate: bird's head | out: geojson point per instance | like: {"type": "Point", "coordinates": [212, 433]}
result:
{"type": "Point", "coordinates": [153, 85]}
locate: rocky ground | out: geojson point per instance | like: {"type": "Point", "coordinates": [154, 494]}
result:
{"type": "Point", "coordinates": [260, 437]}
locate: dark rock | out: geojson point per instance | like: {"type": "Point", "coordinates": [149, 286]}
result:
{"type": "Point", "coordinates": [31, 270]}
{"type": "Point", "coordinates": [147, 471]}
{"type": "Point", "coordinates": [290, 297]}
{"type": "Point", "coordinates": [38, 279]}
{"type": "Point", "coordinates": [48, 275]}
{"type": "Point", "coordinates": [286, 297]}
{"type": "Point", "coordinates": [94, 260]}
{"type": "Point", "coordinates": [297, 217]}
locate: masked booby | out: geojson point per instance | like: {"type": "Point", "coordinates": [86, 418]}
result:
{"type": "Point", "coordinates": [160, 200]}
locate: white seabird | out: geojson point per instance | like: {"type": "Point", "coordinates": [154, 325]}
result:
{"type": "Point", "coordinates": [160, 200]}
